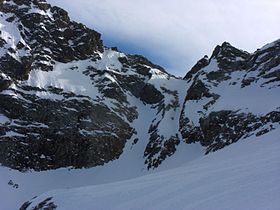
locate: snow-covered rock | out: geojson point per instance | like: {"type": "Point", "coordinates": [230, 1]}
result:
{"type": "Point", "coordinates": [232, 96]}
{"type": "Point", "coordinates": [98, 115]}
{"type": "Point", "coordinates": [71, 99]}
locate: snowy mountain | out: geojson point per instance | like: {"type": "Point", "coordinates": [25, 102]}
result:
{"type": "Point", "coordinates": [75, 113]}
{"type": "Point", "coordinates": [76, 100]}
{"type": "Point", "coordinates": [233, 95]}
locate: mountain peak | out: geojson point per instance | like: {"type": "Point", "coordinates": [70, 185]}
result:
{"type": "Point", "coordinates": [226, 55]}
{"type": "Point", "coordinates": [226, 50]}
{"type": "Point", "coordinates": [38, 35]}
{"type": "Point", "coordinates": [226, 44]}
{"type": "Point", "coordinates": [198, 66]}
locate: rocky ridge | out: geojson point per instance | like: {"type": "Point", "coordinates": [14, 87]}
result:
{"type": "Point", "coordinates": [68, 101]}
{"type": "Point", "coordinates": [227, 93]}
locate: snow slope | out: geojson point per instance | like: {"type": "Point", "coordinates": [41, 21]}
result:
{"type": "Point", "coordinates": [129, 166]}
{"type": "Point", "coordinates": [245, 175]}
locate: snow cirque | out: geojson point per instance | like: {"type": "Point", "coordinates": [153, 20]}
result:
{"type": "Point", "coordinates": [86, 126]}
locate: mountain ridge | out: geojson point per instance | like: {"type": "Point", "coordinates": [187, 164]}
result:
{"type": "Point", "coordinates": [69, 88]}
{"type": "Point", "coordinates": [71, 107]}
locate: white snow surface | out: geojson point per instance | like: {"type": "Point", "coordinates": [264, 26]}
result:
{"type": "Point", "coordinates": [169, 123]}
{"type": "Point", "coordinates": [12, 133]}
{"type": "Point", "coordinates": [11, 35]}
{"type": "Point", "coordinates": [245, 175]}
{"type": "Point", "coordinates": [3, 119]}
{"type": "Point", "coordinates": [63, 78]}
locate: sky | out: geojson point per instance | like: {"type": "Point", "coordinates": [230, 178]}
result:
{"type": "Point", "coordinates": [177, 33]}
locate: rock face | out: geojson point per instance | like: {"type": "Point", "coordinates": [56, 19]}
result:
{"type": "Point", "coordinates": [45, 204]}
{"type": "Point", "coordinates": [68, 101]}
{"type": "Point", "coordinates": [227, 94]}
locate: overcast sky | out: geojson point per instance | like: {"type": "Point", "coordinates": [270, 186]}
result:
{"type": "Point", "coordinates": [176, 33]}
